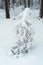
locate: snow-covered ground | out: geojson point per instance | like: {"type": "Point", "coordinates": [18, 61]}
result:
{"type": "Point", "coordinates": [7, 39]}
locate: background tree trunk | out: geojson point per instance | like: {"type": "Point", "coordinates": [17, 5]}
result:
{"type": "Point", "coordinates": [41, 9]}
{"type": "Point", "coordinates": [20, 2]}
{"type": "Point", "coordinates": [25, 3]}
{"type": "Point", "coordinates": [13, 1]}
{"type": "Point", "coordinates": [28, 3]}
{"type": "Point", "coordinates": [31, 3]}
{"type": "Point", "coordinates": [9, 3]}
{"type": "Point", "coordinates": [7, 9]}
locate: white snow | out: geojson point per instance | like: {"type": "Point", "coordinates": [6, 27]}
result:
{"type": "Point", "coordinates": [7, 38]}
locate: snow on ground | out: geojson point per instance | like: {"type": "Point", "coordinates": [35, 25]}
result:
{"type": "Point", "coordinates": [7, 38]}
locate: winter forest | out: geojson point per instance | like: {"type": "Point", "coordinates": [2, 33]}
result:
{"type": "Point", "coordinates": [21, 32]}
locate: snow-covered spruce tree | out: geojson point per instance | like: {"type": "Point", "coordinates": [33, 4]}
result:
{"type": "Point", "coordinates": [24, 39]}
